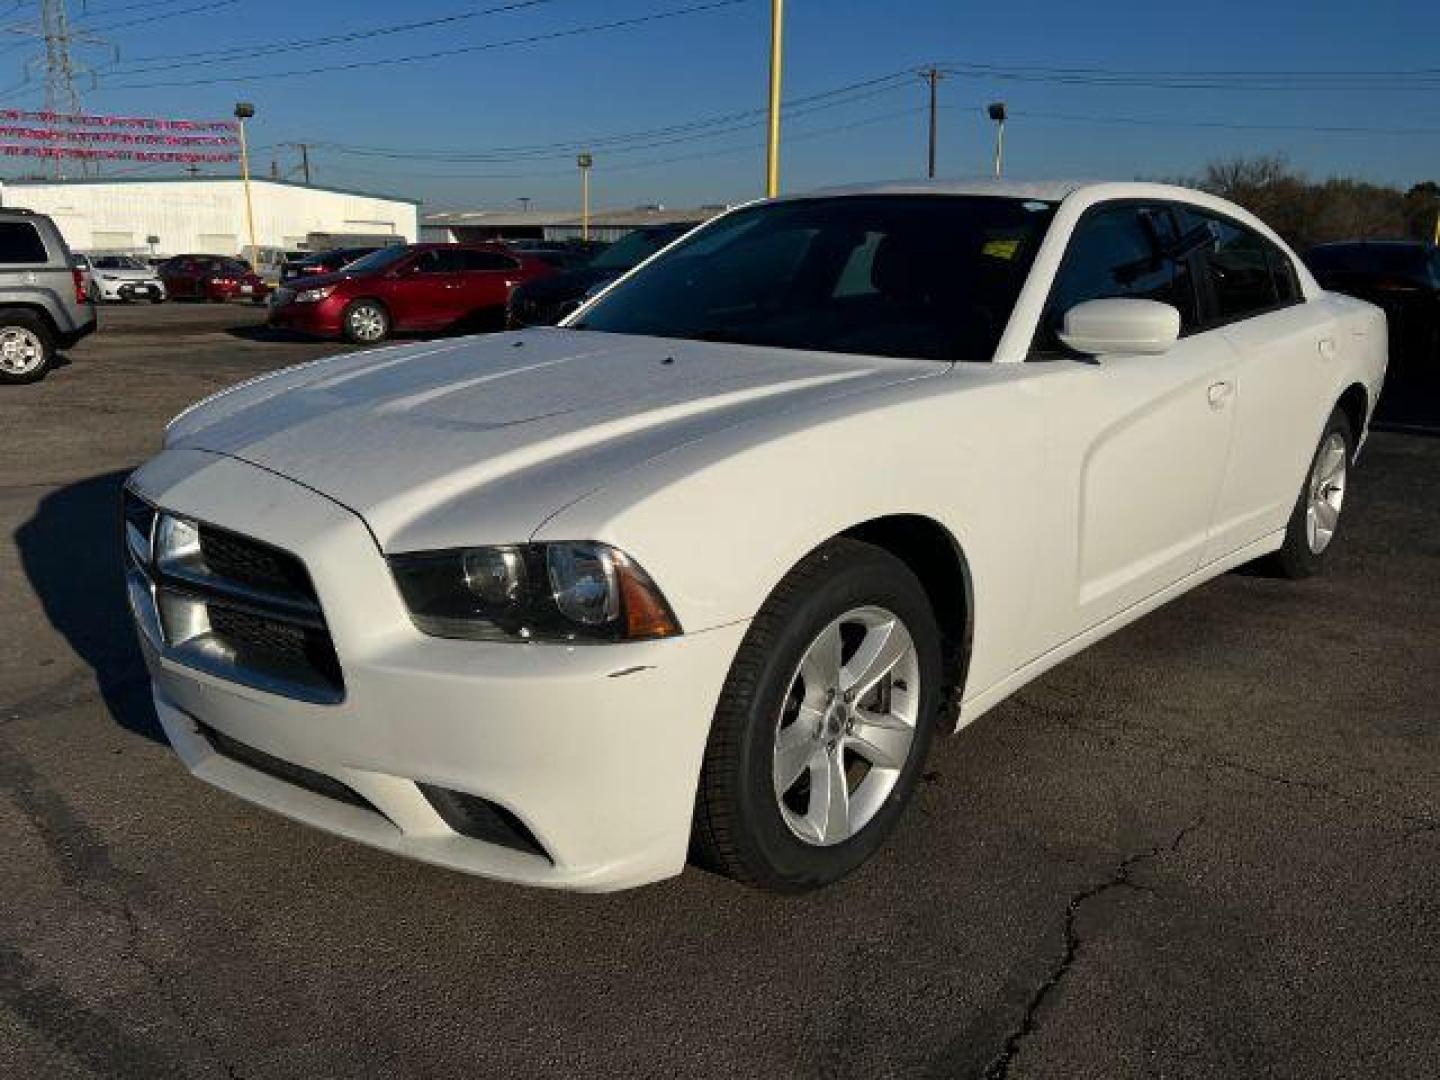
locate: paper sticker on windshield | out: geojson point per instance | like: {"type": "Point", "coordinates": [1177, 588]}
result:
{"type": "Point", "coordinates": [1001, 249]}
{"type": "Point", "coordinates": [1034, 204]}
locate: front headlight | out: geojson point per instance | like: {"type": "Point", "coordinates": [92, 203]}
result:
{"type": "Point", "coordinates": [572, 592]}
{"type": "Point", "coordinates": [313, 296]}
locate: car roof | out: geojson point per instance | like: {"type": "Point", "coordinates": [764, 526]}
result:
{"type": "Point", "coordinates": [1047, 190]}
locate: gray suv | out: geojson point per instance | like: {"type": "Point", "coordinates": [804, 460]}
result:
{"type": "Point", "coordinates": [45, 302]}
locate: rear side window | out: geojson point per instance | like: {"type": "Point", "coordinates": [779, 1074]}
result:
{"type": "Point", "coordinates": [471, 259]}
{"type": "Point", "coordinates": [1238, 272]}
{"type": "Point", "coordinates": [20, 244]}
{"type": "Point", "coordinates": [1244, 273]}
{"type": "Point", "coordinates": [438, 261]}
{"type": "Point", "coordinates": [1121, 251]}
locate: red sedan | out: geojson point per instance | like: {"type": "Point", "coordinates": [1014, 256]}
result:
{"type": "Point", "coordinates": [414, 287]}
{"type": "Point", "coordinates": [211, 277]}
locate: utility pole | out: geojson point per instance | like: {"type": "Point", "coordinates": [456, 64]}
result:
{"type": "Point", "coordinates": [304, 149]}
{"type": "Point", "coordinates": [932, 76]}
{"type": "Point", "coordinates": [777, 64]}
{"type": "Point", "coordinates": [585, 160]}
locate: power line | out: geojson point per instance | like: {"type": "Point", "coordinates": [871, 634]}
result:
{"type": "Point", "coordinates": [707, 127]}
{"type": "Point", "coordinates": [244, 52]}
{"type": "Point", "coordinates": [355, 65]}
{"type": "Point", "coordinates": [1227, 125]}
{"type": "Point", "coordinates": [194, 9]}
{"type": "Point", "coordinates": [1420, 79]}
{"type": "Point", "coordinates": [631, 166]}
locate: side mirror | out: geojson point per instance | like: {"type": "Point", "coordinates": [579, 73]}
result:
{"type": "Point", "coordinates": [1121, 325]}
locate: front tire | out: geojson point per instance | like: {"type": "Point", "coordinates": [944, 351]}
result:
{"type": "Point", "coordinates": [27, 349]}
{"type": "Point", "coordinates": [365, 322]}
{"type": "Point", "coordinates": [823, 724]}
{"type": "Point", "coordinates": [1310, 533]}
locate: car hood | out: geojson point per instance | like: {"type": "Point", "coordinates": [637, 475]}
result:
{"type": "Point", "coordinates": [479, 440]}
{"type": "Point", "coordinates": [126, 275]}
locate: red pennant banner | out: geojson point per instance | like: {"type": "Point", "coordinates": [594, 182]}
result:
{"type": "Point", "coordinates": [127, 138]}
{"type": "Point", "coordinates": [95, 153]}
{"type": "Point", "coordinates": [144, 123]}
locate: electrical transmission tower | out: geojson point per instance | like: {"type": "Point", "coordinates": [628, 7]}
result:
{"type": "Point", "coordinates": [62, 69]}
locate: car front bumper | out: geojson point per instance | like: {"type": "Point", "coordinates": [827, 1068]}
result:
{"type": "Point", "coordinates": [322, 319]}
{"type": "Point", "coordinates": [596, 750]}
{"type": "Point", "coordinates": [117, 290]}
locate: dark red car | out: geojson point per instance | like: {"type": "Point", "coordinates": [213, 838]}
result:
{"type": "Point", "coordinates": [411, 287]}
{"type": "Point", "coordinates": [211, 277]}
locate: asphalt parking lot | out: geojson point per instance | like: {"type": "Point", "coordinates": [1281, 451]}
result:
{"type": "Point", "coordinates": [1209, 846]}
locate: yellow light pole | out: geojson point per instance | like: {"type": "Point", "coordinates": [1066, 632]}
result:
{"type": "Point", "coordinates": [244, 111]}
{"type": "Point", "coordinates": [777, 64]}
{"type": "Point", "coordinates": [585, 160]}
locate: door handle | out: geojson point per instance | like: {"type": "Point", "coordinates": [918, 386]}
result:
{"type": "Point", "coordinates": [1327, 348]}
{"type": "Point", "coordinates": [1220, 393]}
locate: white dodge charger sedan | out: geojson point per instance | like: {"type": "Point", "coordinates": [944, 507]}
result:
{"type": "Point", "coordinates": [707, 567]}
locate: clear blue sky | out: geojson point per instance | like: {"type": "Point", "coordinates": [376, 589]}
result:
{"type": "Point", "coordinates": [712, 64]}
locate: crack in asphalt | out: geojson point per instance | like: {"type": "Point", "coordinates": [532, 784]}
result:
{"type": "Point", "coordinates": [1119, 878]}
{"type": "Point", "coordinates": [1182, 758]}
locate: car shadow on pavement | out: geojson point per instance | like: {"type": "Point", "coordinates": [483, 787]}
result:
{"type": "Point", "coordinates": [262, 332]}
{"type": "Point", "coordinates": [70, 551]}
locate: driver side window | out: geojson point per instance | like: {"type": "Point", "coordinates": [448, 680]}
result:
{"type": "Point", "coordinates": [1119, 251]}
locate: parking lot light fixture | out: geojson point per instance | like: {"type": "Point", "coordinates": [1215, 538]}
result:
{"type": "Point", "coordinates": [244, 111]}
{"type": "Point", "coordinates": [998, 114]}
{"type": "Point", "coordinates": [585, 160]}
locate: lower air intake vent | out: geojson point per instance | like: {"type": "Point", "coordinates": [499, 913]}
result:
{"type": "Point", "coordinates": [312, 781]}
{"type": "Point", "coordinates": [480, 819]}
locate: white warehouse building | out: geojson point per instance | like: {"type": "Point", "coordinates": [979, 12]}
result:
{"type": "Point", "coordinates": [207, 214]}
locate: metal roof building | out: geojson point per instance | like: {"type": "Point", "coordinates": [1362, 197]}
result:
{"type": "Point", "coordinates": [476, 225]}
{"type": "Point", "coordinates": [207, 214]}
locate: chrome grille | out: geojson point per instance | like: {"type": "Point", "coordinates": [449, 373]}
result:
{"type": "Point", "coordinates": [228, 604]}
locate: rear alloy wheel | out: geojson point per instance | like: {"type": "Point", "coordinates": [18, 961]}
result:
{"type": "Point", "coordinates": [1316, 517]}
{"type": "Point", "coordinates": [26, 351]}
{"type": "Point", "coordinates": [366, 322]}
{"type": "Point", "coordinates": [824, 722]}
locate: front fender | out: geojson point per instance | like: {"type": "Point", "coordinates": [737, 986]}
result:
{"type": "Point", "coordinates": [719, 523]}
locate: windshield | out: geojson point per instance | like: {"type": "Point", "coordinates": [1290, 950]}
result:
{"type": "Point", "coordinates": [378, 260]}
{"type": "Point", "coordinates": [926, 276]}
{"type": "Point", "coordinates": [119, 262]}
{"type": "Point", "coordinates": [633, 248]}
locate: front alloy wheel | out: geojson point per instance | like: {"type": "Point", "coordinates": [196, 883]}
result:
{"type": "Point", "coordinates": [847, 725]}
{"type": "Point", "coordinates": [823, 724]}
{"type": "Point", "coordinates": [366, 322]}
{"type": "Point", "coordinates": [26, 350]}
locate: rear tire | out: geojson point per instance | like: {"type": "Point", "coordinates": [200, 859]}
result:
{"type": "Point", "coordinates": [810, 763]}
{"type": "Point", "coordinates": [1310, 533]}
{"type": "Point", "coordinates": [365, 322]}
{"type": "Point", "coordinates": [27, 348]}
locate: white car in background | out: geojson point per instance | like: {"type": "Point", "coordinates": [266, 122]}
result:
{"type": "Point", "coordinates": [716, 559]}
{"type": "Point", "coordinates": [122, 278]}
